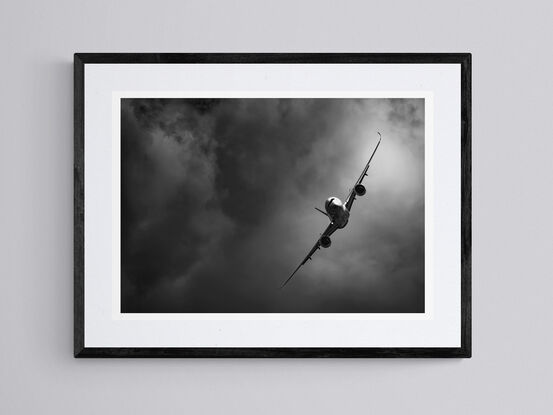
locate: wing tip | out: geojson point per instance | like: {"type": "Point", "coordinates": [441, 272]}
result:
{"type": "Point", "coordinates": [284, 283]}
{"type": "Point", "coordinates": [289, 278]}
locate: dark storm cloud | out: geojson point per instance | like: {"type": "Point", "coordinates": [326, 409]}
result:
{"type": "Point", "coordinates": [218, 196]}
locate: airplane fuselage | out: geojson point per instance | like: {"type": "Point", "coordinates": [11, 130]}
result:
{"type": "Point", "coordinates": [337, 211]}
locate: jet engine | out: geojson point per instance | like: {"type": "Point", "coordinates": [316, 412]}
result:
{"type": "Point", "coordinates": [325, 241]}
{"type": "Point", "coordinates": [360, 190]}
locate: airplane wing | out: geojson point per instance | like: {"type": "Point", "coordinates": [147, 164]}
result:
{"type": "Point", "coordinates": [331, 228]}
{"type": "Point", "coordinates": [351, 197]}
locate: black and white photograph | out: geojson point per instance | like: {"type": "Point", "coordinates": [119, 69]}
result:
{"type": "Point", "coordinates": [272, 205]}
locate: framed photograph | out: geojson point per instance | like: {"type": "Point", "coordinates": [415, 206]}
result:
{"type": "Point", "coordinates": [272, 205]}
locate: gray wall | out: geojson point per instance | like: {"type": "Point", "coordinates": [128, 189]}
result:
{"type": "Point", "coordinates": [513, 201]}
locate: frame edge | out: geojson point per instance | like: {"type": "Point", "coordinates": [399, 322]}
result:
{"type": "Point", "coordinates": [466, 205]}
{"type": "Point", "coordinates": [78, 205]}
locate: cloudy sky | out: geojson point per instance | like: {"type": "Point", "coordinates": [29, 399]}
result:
{"type": "Point", "coordinates": [218, 198]}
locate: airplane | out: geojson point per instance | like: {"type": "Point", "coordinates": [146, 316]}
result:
{"type": "Point", "coordinates": [338, 213]}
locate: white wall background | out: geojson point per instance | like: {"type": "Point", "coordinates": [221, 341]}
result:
{"type": "Point", "coordinates": [511, 371]}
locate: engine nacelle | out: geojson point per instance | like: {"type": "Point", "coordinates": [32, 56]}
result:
{"type": "Point", "coordinates": [360, 190]}
{"type": "Point", "coordinates": [325, 241]}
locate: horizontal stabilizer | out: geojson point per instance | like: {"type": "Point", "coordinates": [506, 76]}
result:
{"type": "Point", "coordinates": [323, 212]}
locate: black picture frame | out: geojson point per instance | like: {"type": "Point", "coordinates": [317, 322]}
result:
{"type": "Point", "coordinates": [82, 59]}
